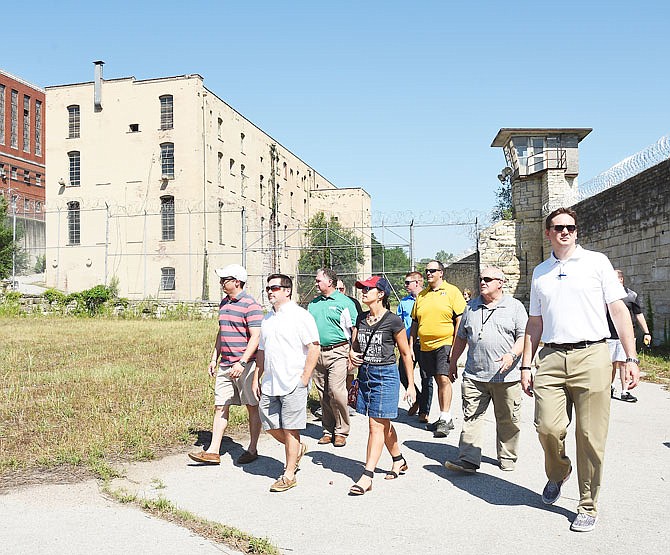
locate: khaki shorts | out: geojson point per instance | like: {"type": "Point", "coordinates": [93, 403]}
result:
{"type": "Point", "coordinates": [235, 391]}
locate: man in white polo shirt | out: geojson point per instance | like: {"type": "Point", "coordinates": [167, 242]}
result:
{"type": "Point", "coordinates": [286, 357]}
{"type": "Point", "coordinates": [570, 294]}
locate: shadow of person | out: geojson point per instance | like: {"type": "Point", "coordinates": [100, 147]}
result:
{"type": "Point", "coordinates": [315, 431]}
{"type": "Point", "coordinates": [439, 452]}
{"type": "Point", "coordinates": [336, 463]}
{"type": "Point", "coordinates": [264, 466]}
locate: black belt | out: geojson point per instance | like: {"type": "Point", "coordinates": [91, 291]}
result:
{"type": "Point", "coordinates": [571, 346]}
{"type": "Point", "coordinates": [331, 347]}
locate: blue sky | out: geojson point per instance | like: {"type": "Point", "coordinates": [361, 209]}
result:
{"type": "Point", "coordinates": [400, 98]}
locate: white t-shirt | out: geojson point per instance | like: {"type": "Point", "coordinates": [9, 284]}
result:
{"type": "Point", "coordinates": [285, 337]}
{"type": "Point", "coordinates": [571, 296]}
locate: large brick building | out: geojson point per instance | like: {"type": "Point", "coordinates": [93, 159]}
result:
{"type": "Point", "coordinates": [22, 157]}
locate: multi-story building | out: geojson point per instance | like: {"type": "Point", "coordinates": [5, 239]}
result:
{"type": "Point", "coordinates": [156, 182]}
{"type": "Point", "coordinates": [22, 152]}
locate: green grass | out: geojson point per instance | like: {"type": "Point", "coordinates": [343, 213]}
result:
{"type": "Point", "coordinates": [656, 365]}
{"type": "Point", "coordinates": [90, 392]}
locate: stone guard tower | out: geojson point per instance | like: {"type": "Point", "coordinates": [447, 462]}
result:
{"type": "Point", "coordinates": [542, 166]}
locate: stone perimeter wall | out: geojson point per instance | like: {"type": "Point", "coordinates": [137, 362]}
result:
{"type": "Point", "coordinates": [630, 223]}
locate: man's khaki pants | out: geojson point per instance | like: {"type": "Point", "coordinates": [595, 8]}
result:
{"type": "Point", "coordinates": [579, 377]}
{"type": "Point", "coordinates": [330, 379]}
{"type": "Point", "coordinates": [476, 396]}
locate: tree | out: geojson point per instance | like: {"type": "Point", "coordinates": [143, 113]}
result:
{"type": "Point", "coordinates": [329, 245]}
{"type": "Point", "coordinates": [444, 256]}
{"type": "Point", "coordinates": [392, 262]}
{"type": "Point", "coordinates": [503, 209]}
{"type": "Point", "coordinates": [6, 243]}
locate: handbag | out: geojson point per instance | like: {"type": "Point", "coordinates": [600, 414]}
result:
{"type": "Point", "coordinates": [353, 390]}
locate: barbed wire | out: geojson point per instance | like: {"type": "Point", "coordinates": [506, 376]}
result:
{"type": "Point", "coordinates": [620, 172]}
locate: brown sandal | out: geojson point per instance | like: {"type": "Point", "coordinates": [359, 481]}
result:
{"type": "Point", "coordinates": [392, 474]}
{"type": "Point", "coordinates": [359, 490]}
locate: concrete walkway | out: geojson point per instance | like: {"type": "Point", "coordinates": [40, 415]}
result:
{"type": "Point", "coordinates": [428, 510]}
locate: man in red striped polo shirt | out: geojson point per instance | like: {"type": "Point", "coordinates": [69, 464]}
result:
{"type": "Point", "coordinates": [233, 363]}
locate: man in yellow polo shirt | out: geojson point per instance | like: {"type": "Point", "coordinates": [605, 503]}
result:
{"type": "Point", "coordinates": [435, 319]}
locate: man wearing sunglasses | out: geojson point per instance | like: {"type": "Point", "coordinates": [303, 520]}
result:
{"type": "Point", "coordinates": [435, 318]}
{"type": "Point", "coordinates": [233, 362]}
{"type": "Point", "coordinates": [570, 294]}
{"type": "Point", "coordinates": [413, 285]}
{"type": "Point", "coordinates": [492, 328]}
{"type": "Point", "coordinates": [287, 354]}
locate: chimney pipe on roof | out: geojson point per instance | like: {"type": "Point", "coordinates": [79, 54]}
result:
{"type": "Point", "coordinates": [97, 89]}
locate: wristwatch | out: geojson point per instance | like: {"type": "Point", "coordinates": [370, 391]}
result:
{"type": "Point", "coordinates": [631, 359]}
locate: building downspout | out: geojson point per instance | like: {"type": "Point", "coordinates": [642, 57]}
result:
{"type": "Point", "coordinates": [97, 87]}
{"type": "Point", "coordinates": [205, 261]}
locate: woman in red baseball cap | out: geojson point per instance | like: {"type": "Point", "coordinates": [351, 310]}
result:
{"type": "Point", "coordinates": [374, 339]}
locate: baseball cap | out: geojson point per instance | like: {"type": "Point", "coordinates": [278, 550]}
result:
{"type": "Point", "coordinates": [232, 270]}
{"type": "Point", "coordinates": [376, 281]}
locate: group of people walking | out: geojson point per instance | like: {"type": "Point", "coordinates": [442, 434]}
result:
{"type": "Point", "coordinates": [266, 362]}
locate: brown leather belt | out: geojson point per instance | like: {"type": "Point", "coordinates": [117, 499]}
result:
{"type": "Point", "coordinates": [331, 347]}
{"type": "Point", "coordinates": [571, 346]}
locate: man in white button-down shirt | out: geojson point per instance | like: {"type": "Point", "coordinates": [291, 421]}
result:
{"type": "Point", "coordinates": [570, 294]}
{"type": "Point", "coordinates": [286, 357]}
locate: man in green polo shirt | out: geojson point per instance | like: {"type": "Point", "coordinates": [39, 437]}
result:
{"type": "Point", "coordinates": [334, 314]}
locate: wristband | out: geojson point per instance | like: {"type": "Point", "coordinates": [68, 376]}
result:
{"type": "Point", "coordinates": [522, 368]}
{"type": "Point", "coordinates": [631, 359]}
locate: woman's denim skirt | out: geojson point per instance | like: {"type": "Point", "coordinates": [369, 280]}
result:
{"type": "Point", "coordinates": [378, 390]}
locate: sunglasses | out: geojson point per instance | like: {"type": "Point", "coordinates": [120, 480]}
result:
{"type": "Point", "coordinates": [367, 288]}
{"type": "Point", "coordinates": [432, 270]}
{"type": "Point", "coordinates": [227, 279]}
{"type": "Point", "coordinates": [407, 282]}
{"type": "Point", "coordinates": [273, 288]}
{"type": "Point", "coordinates": [488, 279]}
{"type": "Point", "coordinates": [558, 228]}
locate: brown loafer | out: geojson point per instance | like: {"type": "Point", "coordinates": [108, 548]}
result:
{"type": "Point", "coordinates": [423, 418]}
{"type": "Point", "coordinates": [413, 409]}
{"type": "Point", "coordinates": [283, 484]}
{"type": "Point", "coordinates": [205, 457]}
{"type": "Point", "coordinates": [325, 440]}
{"type": "Point", "coordinates": [340, 441]}
{"type": "Point", "coordinates": [247, 457]}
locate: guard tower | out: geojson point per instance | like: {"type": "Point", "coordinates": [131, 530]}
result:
{"type": "Point", "coordinates": [541, 166]}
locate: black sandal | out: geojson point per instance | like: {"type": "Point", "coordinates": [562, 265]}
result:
{"type": "Point", "coordinates": [358, 490]}
{"type": "Point", "coordinates": [392, 474]}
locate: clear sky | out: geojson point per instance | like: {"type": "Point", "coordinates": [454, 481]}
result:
{"type": "Point", "coordinates": [400, 98]}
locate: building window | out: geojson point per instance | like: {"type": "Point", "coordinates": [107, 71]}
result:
{"type": "Point", "coordinates": [167, 218]}
{"type": "Point", "coordinates": [242, 143]}
{"type": "Point", "coordinates": [285, 171]}
{"type": "Point", "coordinates": [167, 160]}
{"type": "Point", "coordinates": [75, 168]}
{"type": "Point", "coordinates": [14, 129]}
{"type": "Point", "coordinates": [167, 279]}
{"type": "Point", "coordinates": [167, 112]}
{"type": "Point", "coordinates": [2, 114]}
{"type": "Point", "coordinates": [74, 121]}
{"type": "Point", "coordinates": [38, 179]}
{"type": "Point", "coordinates": [26, 177]}
{"type": "Point", "coordinates": [243, 181]}
{"type": "Point", "coordinates": [261, 192]}
{"type": "Point", "coordinates": [219, 163]}
{"type": "Point", "coordinates": [219, 127]}
{"type": "Point", "coordinates": [38, 206]}
{"type": "Point", "coordinates": [15, 172]}
{"type": "Point", "coordinates": [73, 222]}
{"type": "Point", "coordinates": [134, 127]}
{"type": "Point", "coordinates": [232, 167]}
{"type": "Point", "coordinates": [26, 123]}
{"type": "Point", "coordinates": [38, 128]}
{"type": "Point", "coordinates": [26, 205]}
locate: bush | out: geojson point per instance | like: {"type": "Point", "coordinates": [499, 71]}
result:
{"type": "Point", "coordinates": [40, 264]}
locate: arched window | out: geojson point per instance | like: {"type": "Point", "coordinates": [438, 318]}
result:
{"type": "Point", "coordinates": [167, 111]}
{"type": "Point", "coordinates": [75, 168]}
{"type": "Point", "coordinates": [73, 116]}
{"type": "Point", "coordinates": [167, 218]}
{"type": "Point", "coordinates": [167, 160]}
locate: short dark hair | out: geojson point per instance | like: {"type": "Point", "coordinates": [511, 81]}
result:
{"type": "Point", "coordinates": [439, 265]}
{"type": "Point", "coordinates": [284, 281]}
{"type": "Point", "coordinates": [561, 210]}
{"type": "Point", "coordinates": [330, 274]}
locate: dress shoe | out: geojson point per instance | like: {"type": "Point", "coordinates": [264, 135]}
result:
{"type": "Point", "coordinates": [413, 409]}
{"type": "Point", "coordinates": [247, 457]}
{"type": "Point", "coordinates": [340, 441]}
{"type": "Point", "coordinates": [325, 440]}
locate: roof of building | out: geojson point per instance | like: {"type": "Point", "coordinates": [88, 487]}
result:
{"type": "Point", "coordinates": [506, 133]}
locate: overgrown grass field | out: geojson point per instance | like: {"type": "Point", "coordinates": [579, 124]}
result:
{"type": "Point", "coordinates": [88, 391]}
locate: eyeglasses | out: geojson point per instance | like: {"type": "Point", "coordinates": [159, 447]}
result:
{"type": "Point", "coordinates": [227, 279]}
{"type": "Point", "coordinates": [432, 270]}
{"type": "Point", "coordinates": [273, 288]}
{"type": "Point", "coordinates": [558, 228]}
{"type": "Point", "coordinates": [488, 279]}
{"type": "Point", "coordinates": [407, 282]}
{"type": "Point", "coordinates": [340, 289]}
{"type": "Point", "coordinates": [367, 288]}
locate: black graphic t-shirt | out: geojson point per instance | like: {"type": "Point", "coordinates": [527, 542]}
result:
{"type": "Point", "coordinates": [381, 349]}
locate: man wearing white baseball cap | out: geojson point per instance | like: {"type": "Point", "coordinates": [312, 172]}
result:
{"type": "Point", "coordinates": [233, 363]}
